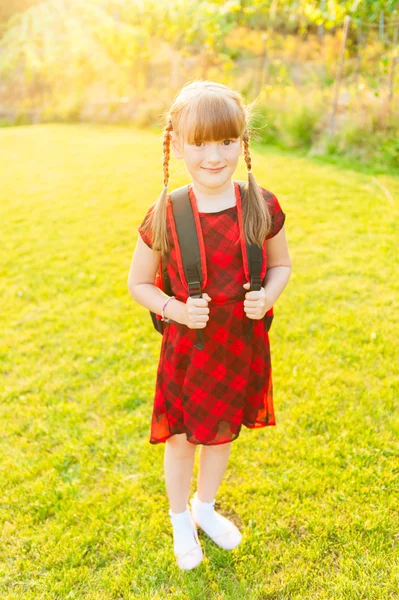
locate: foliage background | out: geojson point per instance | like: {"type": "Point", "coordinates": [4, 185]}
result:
{"type": "Point", "coordinates": [122, 61]}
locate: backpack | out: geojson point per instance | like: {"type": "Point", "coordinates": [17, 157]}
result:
{"type": "Point", "coordinates": [185, 223]}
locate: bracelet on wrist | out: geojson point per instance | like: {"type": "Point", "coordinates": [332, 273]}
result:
{"type": "Point", "coordinates": [163, 310]}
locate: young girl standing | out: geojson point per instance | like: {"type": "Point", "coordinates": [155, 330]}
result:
{"type": "Point", "coordinates": [203, 397]}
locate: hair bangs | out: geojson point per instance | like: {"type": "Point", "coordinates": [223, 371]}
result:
{"type": "Point", "coordinates": [213, 118]}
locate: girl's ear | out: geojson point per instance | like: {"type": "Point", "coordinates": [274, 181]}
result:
{"type": "Point", "coordinates": [175, 145]}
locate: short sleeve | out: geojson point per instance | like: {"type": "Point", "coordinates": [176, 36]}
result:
{"type": "Point", "coordinates": [276, 213]}
{"type": "Point", "coordinates": [143, 229]}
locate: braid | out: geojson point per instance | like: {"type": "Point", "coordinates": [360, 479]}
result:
{"type": "Point", "coordinates": [166, 152]}
{"type": "Point", "coordinates": [254, 230]}
{"type": "Point", "coordinates": [160, 240]}
{"type": "Point", "coordinates": [247, 156]}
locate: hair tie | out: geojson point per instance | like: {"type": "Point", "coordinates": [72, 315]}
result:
{"type": "Point", "coordinates": [249, 170]}
{"type": "Point", "coordinates": [165, 187]}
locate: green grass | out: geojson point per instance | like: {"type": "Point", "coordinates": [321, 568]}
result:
{"type": "Point", "coordinates": [83, 505]}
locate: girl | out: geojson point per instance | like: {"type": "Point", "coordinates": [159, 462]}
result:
{"type": "Point", "coordinates": [203, 397]}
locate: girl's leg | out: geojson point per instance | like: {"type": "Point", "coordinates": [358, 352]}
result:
{"type": "Point", "coordinates": [213, 463]}
{"type": "Point", "coordinates": [179, 460]}
{"type": "Point", "coordinates": [212, 466]}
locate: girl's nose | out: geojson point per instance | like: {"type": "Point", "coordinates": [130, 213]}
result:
{"type": "Point", "coordinates": [213, 155]}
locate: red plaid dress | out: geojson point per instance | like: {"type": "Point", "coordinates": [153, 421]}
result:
{"type": "Point", "coordinates": [209, 394]}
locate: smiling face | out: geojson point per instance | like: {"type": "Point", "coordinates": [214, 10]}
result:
{"type": "Point", "coordinates": [210, 164]}
{"type": "Point", "coordinates": [208, 122]}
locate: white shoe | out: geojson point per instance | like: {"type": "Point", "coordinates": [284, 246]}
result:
{"type": "Point", "coordinates": [187, 552]}
{"type": "Point", "coordinates": [222, 531]}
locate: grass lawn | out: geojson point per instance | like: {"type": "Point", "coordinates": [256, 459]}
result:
{"type": "Point", "coordinates": [83, 505]}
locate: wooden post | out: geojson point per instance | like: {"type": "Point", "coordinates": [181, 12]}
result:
{"type": "Point", "coordinates": [263, 64]}
{"type": "Point", "coordinates": [360, 40]}
{"type": "Point", "coordinates": [381, 27]}
{"type": "Point", "coordinates": [320, 27]}
{"type": "Point", "coordinates": [393, 64]}
{"type": "Point", "coordinates": [339, 74]}
{"type": "Point", "coordinates": [321, 37]}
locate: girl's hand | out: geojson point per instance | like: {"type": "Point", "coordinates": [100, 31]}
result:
{"type": "Point", "coordinates": [197, 311]}
{"type": "Point", "coordinates": [256, 303]}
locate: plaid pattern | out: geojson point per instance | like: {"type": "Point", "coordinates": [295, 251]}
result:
{"type": "Point", "coordinates": [209, 394]}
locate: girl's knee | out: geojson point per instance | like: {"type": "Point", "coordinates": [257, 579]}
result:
{"type": "Point", "coordinates": [180, 445]}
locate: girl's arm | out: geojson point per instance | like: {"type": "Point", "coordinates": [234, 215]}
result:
{"type": "Point", "coordinates": [142, 288]}
{"type": "Point", "coordinates": [279, 266]}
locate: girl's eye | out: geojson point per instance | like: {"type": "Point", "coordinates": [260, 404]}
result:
{"type": "Point", "coordinates": [199, 144]}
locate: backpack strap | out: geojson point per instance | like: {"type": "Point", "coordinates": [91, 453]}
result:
{"type": "Point", "coordinates": [255, 261]}
{"type": "Point", "coordinates": [189, 245]}
{"type": "Point", "coordinates": [254, 256]}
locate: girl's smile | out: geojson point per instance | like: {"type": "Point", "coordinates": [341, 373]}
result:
{"type": "Point", "coordinates": [212, 170]}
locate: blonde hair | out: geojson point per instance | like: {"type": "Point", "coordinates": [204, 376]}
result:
{"type": "Point", "coordinates": [209, 111]}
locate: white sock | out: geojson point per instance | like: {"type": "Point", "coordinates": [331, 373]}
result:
{"type": "Point", "coordinates": [184, 535]}
{"type": "Point", "coordinates": [210, 520]}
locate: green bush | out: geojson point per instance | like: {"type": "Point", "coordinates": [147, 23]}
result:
{"type": "Point", "coordinates": [300, 127]}
{"type": "Point", "coordinates": [266, 125]}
